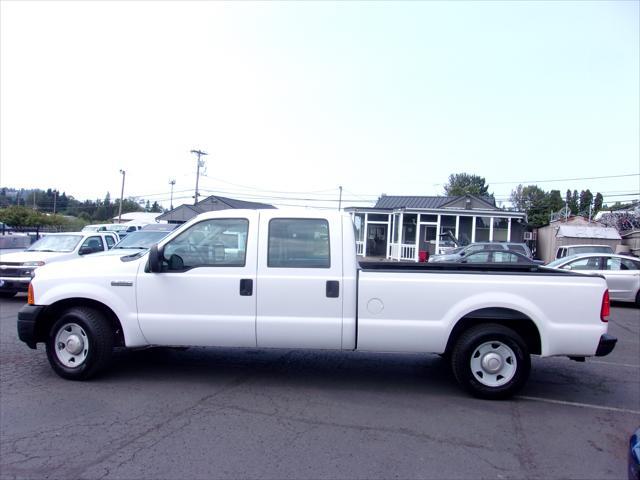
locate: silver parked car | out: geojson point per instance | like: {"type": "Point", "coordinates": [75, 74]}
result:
{"type": "Point", "coordinates": [622, 272]}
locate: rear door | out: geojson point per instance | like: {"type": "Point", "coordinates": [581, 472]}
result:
{"type": "Point", "coordinates": [623, 277]}
{"type": "Point", "coordinates": [299, 291]}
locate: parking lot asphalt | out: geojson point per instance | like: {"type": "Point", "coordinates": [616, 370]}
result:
{"type": "Point", "coordinates": [238, 413]}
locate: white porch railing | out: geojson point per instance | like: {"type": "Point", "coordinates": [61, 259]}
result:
{"type": "Point", "coordinates": [403, 251]}
{"type": "Point", "coordinates": [359, 248]}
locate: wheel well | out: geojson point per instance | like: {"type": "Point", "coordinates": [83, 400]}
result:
{"type": "Point", "coordinates": [517, 321]}
{"type": "Point", "coordinates": [53, 312]}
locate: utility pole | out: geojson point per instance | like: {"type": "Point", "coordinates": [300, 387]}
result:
{"type": "Point", "coordinates": [172, 183]}
{"type": "Point", "coordinates": [200, 153]}
{"type": "Point", "coordinates": [340, 200]}
{"type": "Point", "coordinates": [121, 196]}
{"type": "Point", "coordinates": [34, 199]}
{"type": "Point", "coordinates": [55, 197]}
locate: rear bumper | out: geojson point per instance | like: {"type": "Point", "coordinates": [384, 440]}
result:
{"type": "Point", "coordinates": [605, 345]}
{"type": "Point", "coordinates": [27, 320]}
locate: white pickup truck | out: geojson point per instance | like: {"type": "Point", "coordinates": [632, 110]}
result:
{"type": "Point", "coordinates": [290, 279]}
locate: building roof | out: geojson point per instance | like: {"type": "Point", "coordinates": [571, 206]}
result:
{"type": "Point", "coordinates": [186, 212]}
{"type": "Point", "coordinates": [411, 202]}
{"type": "Point", "coordinates": [238, 204]}
{"type": "Point", "coordinates": [581, 231]}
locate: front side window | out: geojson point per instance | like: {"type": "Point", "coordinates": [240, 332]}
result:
{"type": "Point", "coordinates": [110, 241]}
{"type": "Point", "coordinates": [94, 243]}
{"type": "Point", "coordinates": [298, 243]}
{"type": "Point", "coordinates": [220, 242]}
{"type": "Point", "coordinates": [591, 263]}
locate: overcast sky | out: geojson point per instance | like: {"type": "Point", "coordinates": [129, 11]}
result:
{"type": "Point", "coordinates": [303, 97]}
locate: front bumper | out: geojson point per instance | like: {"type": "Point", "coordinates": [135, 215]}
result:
{"type": "Point", "coordinates": [27, 321]}
{"type": "Point", "coordinates": [605, 345]}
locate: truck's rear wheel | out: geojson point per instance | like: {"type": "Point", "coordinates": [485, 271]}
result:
{"type": "Point", "coordinates": [80, 343]}
{"type": "Point", "coordinates": [491, 361]}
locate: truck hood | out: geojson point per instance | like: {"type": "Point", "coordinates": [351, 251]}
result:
{"type": "Point", "coordinates": [21, 257]}
{"type": "Point", "coordinates": [92, 266]}
{"type": "Point", "coordinates": [123, 252]}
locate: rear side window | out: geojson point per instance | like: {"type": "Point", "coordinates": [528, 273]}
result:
{"type": "Point", "coordinates": [616, 263]}
{"type": "Point", "coordinates": [298, 243]}
{"type": "Point", "coordinates": [517, 248]}
{"type": "Point", "coordinates": [110, 241]}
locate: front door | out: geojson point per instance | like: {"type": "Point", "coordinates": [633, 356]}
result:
{"type": "Point", "coordinates": [300, 287]}
{"type": "Point", "coordinates": [205, 294]}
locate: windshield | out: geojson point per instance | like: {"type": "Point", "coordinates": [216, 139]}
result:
{"type": "Point", "coordinates": [91, 228]}
{"type": "Point", "coordinates": [591, 249]}
{"type": "Point", "coordinates": [141, 239]}
{"type": "Point", "coordinates": [117, 228]}
{"type": "Point", "coordinates": [56, 243]}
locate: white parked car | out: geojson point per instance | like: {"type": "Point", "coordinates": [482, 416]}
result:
{"type": "Point", "coordinates": [291, 279]}
{"type": "Point", "coordinates": [622, 272]}
{"type": "Point", "coordinates": [17, 269]}
{"type": "Point", "coordinates": [570, 250]}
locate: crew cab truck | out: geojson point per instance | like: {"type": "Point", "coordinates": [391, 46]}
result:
{"type": "Point", "coordinates": [290, 279]}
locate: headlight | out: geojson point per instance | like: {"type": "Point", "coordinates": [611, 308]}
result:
{"type": "Point", "coordinates": [33, 264]}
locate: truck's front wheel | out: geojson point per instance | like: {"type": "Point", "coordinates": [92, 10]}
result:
{"type": "Point", "coordinates": [80, 343]}
{"type": "Point", "coordinates": [491, 361]}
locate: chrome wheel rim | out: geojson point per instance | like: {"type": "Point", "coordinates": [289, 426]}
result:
{"type": "Point", "coordinates": [72, 345]}
{"type": "Point", "coordinates": [493, 364]}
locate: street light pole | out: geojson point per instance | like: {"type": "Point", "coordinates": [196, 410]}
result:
{"type": "Point", "coordinates": [172, 183]}
{"type": "Point", "coordinates": [340, 200]}
{"type": "Point", "coordinates": [121, 196]}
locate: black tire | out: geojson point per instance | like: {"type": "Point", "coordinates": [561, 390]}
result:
{"type": "Point", "coordinates": [9, 294]}
{"type": "Point", "coordinates": [638, 299]}
{"type": "Point", "coordinates": [95, 330]}
{"type": "Point", "coordinates": [480, 335]}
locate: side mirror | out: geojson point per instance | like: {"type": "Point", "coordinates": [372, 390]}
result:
{"type": "Point", "coordinates": [155, 259]}
{"type": "Point", "coordinates": [85, 250]}
{"type": "Point", "coordinates": [462, 253]}
{"type": "Point", "coordinates": [567, 267]}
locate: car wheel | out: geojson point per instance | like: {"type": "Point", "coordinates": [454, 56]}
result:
{"type": "Point", "coordinates": [9, 294]}
{"type": "Point", "coordinates": [80, 344]}
{"type": "Point", "coordinates": [491, 361]}
{"type": "Point", "coordinates": [638, 299]}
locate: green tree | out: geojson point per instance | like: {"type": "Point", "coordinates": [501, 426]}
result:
{"type": "Point", "coordinates": [555, 201]}
{"type": "Point", "coordinates": [585, 201]}
{"type": "Point", "coordinates": [534, 201]}
{"type": "Point", "coordinates": [597, 203]}
{"type": "Point", "coordinates": [156, 208]}
{"type": "Point", "coordinates": [464, 183]}
{"type": "Point", "coordinates": [573, 202]}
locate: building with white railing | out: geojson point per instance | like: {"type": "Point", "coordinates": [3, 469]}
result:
{"type": "Point", "coordinates": [399, 228]}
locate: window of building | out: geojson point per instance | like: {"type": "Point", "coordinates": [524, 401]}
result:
{"type": "Point", "coordinates": [465, 230]}
{"type": "Point", "coordinates": [378, 217]}
{"type": "Point", "coordinates": [500, 229]}
{"type": "Point", "coordinates": [298, 243]}
{"type": "Point", "coordinates": [483, 226]}
{"type": "Point", "coordinates": [409, 228]}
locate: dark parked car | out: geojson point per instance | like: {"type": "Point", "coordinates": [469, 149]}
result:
{"type": "Point", "coordinates": [634, 456]}
{"type": "Point", "coordinates": [458, 253]}
{"type": "Point", "coordinates": [496, 256]}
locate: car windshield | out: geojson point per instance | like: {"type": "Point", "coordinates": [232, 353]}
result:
{"type": "Point", "coordinates": [140, 239]}
{"type": "Point", "coordinates": [591, 249]}
{"type": "Point", "coordinates": [56, 243]}
{"type": "Point", "coordinates": [118, 228]}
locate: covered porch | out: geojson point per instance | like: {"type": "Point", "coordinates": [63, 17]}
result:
{"type": "Point", "coordinates": [401, 234]}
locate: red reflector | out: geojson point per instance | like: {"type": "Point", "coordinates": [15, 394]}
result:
{"type": "Point", "coordinates": [605, 310]}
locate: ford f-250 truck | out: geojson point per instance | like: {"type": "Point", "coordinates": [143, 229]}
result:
{"type": "Point", "coordinates": [290, 279]}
